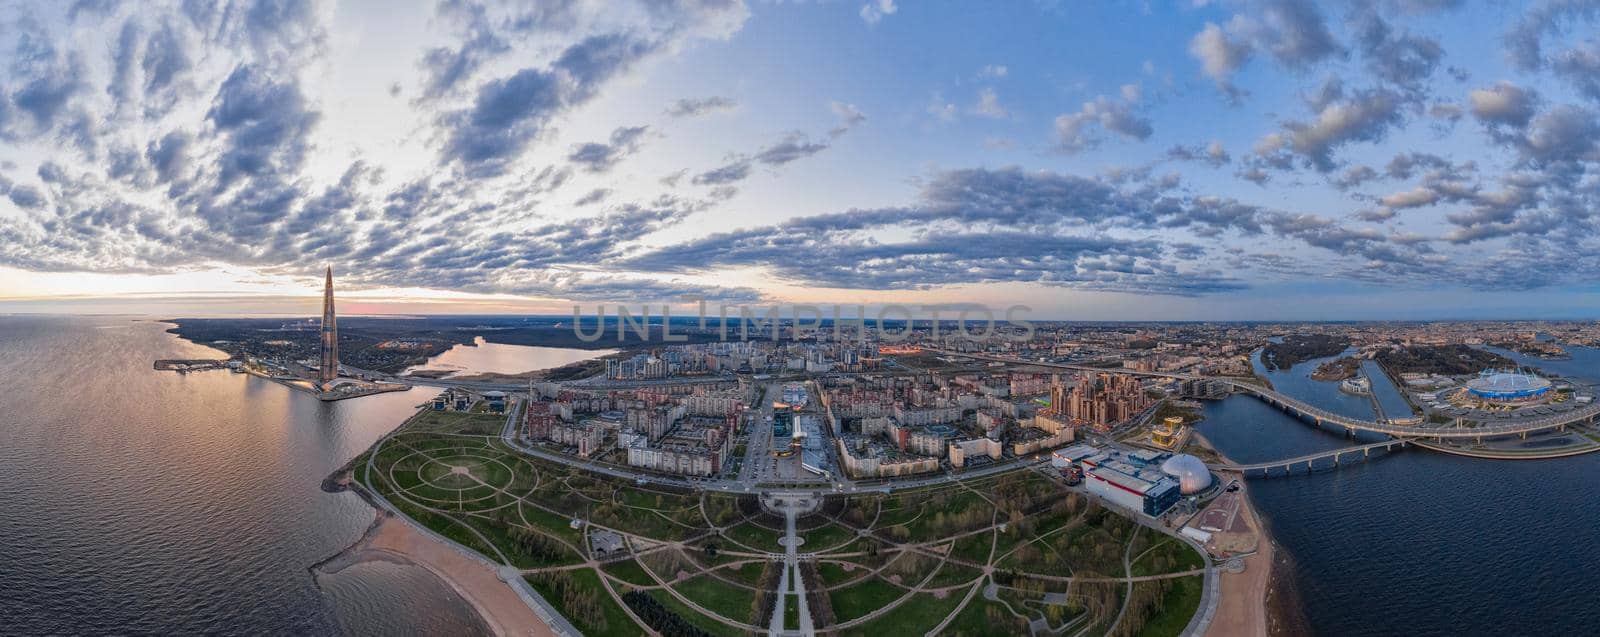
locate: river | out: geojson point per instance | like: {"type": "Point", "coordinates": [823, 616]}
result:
{"type": "Point", "coordinates": [483, 357]}
{"type": "Point", "coordinates": [134, 501]}
{"type": "Point", "coordinates": [1422, 543]}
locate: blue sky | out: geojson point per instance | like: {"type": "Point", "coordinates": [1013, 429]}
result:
{"type": "Point", "coordinates": [1201, 159]}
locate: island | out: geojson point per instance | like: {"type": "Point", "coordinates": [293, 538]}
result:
{"type": "Point", "coordinates": [1295, 348]}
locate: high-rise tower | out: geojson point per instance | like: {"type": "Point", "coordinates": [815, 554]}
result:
{"type": "Point", "coordinates": [330, 334]}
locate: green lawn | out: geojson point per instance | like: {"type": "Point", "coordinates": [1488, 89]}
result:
{"type": "Point", "coordinates": [749, 573]}
{"type": "Point", "coordinates": [719, 597]}
{"type": "Point", "coordinates": [701, 621]}
{"type": "Point", "coordinates": [982, 617]}
{"type": "Point", "coordinates": [755, 537]}
{"type": "Point", "coordinates": [826, 538]}
{"type": "Point", "coordinates": [1178, 606]}
{"type": "Point", "coordinates": [951, 574]}
{"type": "Point", "coordinates": [587, 582]}
{"type": "Point", "coordinates": [915, 617]}
{"type": "Point", "coordinates": [629, 571]}
{"type": "Point", "coordinates": [857, 600]}
{"type": "Point", "coordinates": [1176, 556]}
{"type": "Point", "coordinates": [973, 548]}
{"type": "Point", "coordinates": [834, 574]}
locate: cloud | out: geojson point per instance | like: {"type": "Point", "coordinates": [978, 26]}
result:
{"type": "Point", "coordinates": [266, 120]}
{"type": "Point", "coordinates": [1213, 153]}
{"type": "Point", "coordinates": [1563, 134]}
{"type": "Point", "coordinates": [1503, 104]}
{"type": "Point", "coordinates": [992, 71]}
{"type": "Point", "coordinates": [1341, 119]}
{"type": "Point", "coordinates": [447, 67]}
{"type": "Point", "coordinates": [25, 196]}
{"type": "Point", "coordinates": [849, 117]}
{"type": "Point", "coordinates": [792, 147]}
{"type": "Point", "coordinates": [874, 11]}
{"type": "Point", "coordinates": [696, 107]}
{"type": "Point", "coordinates": [1075, 132]}
{"type": "Point", "coordinates": [1525, 39]}
{"type": "Point", "coordinates": [595, 196]}
{"type": "Point", "coordinates": [1414, 198]}
{"type": "Point", "coordinates": [980, 225]}
{"type": "Point", "coordinates": [1293, 31]}
{"type": "Point", "coordinates": [1402, 59]}
{"type": "Point", "coordinates": [1580, 66]}
{"type": "Point", "coordinates": [989, 105]}
{"type": "Point", "coordinates": [595, 157]}
{"type": "Point", "coordinates": [1220, 58]}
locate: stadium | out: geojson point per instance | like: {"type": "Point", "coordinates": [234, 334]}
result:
{"type": "Point", "coordinates": [1508, 386]}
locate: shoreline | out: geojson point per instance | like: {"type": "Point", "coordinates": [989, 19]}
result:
{"type": "Point", "coordinates": [394, 540]}
{"type": "Point", "coordinates": [1243, 607]}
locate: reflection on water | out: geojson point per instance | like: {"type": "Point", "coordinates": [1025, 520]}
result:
{"type": "Point", "coordinates": [137, 501]}
{"type": "Point", "coordinates": [1422, 543]}
{"type": "Point", "coordinates": [1385, 393]}
{"type": "Point", "coordinates": [499, 358]}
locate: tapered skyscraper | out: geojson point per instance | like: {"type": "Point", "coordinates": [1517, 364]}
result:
{"type": "Point", "coordinates": [330, 334]}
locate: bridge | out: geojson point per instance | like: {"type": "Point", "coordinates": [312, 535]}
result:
{"type": "Point", "coordinates": [1310, 459]}
{"type": "Point", "coordinates": [1322, 416]}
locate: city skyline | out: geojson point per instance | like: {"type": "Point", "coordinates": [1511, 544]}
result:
{"type": "Point", "coordinates": [1276, 160]}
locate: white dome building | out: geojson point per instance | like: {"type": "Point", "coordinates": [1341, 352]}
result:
{"type": "Point", "coordinates": [1192, 474]}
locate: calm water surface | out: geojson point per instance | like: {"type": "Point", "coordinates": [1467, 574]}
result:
{"type": "Point", "coordinates": [141, 502]}
{"type": "Point", "coordinates": [1423, 543]}
{"type": "Point", "coordinates": [497, 358]}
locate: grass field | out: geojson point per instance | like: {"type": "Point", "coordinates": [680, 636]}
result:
{"type": "Point", "coordinates": [451, 472]}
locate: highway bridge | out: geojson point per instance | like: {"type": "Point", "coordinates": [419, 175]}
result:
{"type": "Point", "coordinates": [1321, 416]}
{"type": "Point", "coordinates": [1310, 459]}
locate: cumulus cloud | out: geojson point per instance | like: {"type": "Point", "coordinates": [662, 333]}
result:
{"type": "Point", "coordinates": [596, 157]}
{"type": "Point", "coordinates": [1503, 104]}
{"type": "Point", "coordinates": [1403, 59]}
{"type": "Point", "coordinates": [1220, 57]}
{"type": "Point", "coordinates": [1213, 153]}
{"type": "Point", "coordinates": [1081, 130]}
{"type": "Point", "coordinates": [875, 10]}
{"type": "Point", "coordinates": [1360, 116]}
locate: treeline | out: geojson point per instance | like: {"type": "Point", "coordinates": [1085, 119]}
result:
{"type": "Point", "coordinates": [1148, 600]}
{"type": "Point", "coordinates": [1301, 347]}
{"type": "Point", "coordinates": [817, 599]}
{"type": "Point", "coordinates": [533, 544]}
{"type": "Point", "coordinates": [656, 616]}
{"type": "Point", "coordinates": [1449, 360]}
{"type": "Point", "coordinates": [766, 600]}
{"type": "Point", "coordinates": [579, 604]}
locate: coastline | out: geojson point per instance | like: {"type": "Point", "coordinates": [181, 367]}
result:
{"type": "Point", "coordinates": [1244, 608]}
{"type": "Point", "coordinates": [394, 540]}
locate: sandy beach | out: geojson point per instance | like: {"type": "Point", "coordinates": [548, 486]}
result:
{"type": "Point", "coordinates": [1242, 607]}
{"type": "Point", "coordinates": [394, 540]}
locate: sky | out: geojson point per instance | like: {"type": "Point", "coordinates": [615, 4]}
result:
{"type": "Point", "coordinates": [1198, 159]}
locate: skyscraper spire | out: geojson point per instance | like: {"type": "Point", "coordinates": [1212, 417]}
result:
{"type": "Point", "coordinates": [330, 334]}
